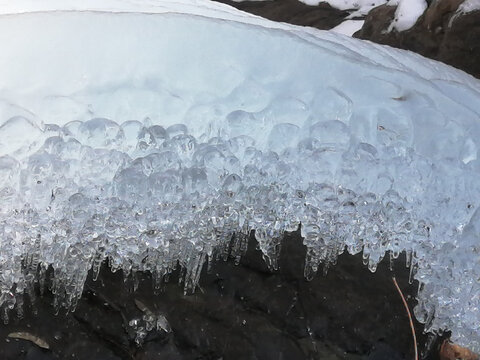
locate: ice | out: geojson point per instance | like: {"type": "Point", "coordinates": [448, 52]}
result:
{"type": "Point", "coordinates": [171, 143]}
{"type": "Point", "coordinates": [12, 135]}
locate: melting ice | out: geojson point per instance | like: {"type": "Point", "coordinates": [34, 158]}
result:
{"type": "Point", "coordinates": [154, 134]}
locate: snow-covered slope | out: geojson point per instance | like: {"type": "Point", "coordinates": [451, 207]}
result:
{"type": "Point", "coordinates": [150, 132]}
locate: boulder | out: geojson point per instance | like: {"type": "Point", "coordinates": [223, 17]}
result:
{"type": "Point", "coordinates": [441, 33]}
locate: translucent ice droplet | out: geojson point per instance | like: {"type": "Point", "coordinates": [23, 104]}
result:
{"type": "Point", "coordinates": [283, 136]}
{"type": "Point", "coordinates": [131, 130]}
{"type": "Point", "coordinates": [183, 145]}
{"type": "Point", "coordinates": [332, 104]}
{"type": "Point", "coordinates": [100, 132]}
{"type": "Point", "coordinates": [18, 134]}
{"type": "Point", "coordinates": [214, 162]}
{"type": "Point", "coordinates": [9, 169]}
{"type": "Point", "coordinates": [130, 182]}
{"type": "Point", "coordinates": [232, 185]}
{"type": "Point", "coordinates": [159, 134]}
{"type": "Point", "coordinates": [286, 110]}
{"type": "Point", "coordinates": [242, 123]}
{"type": "Point", "coordinates": [330, 132]}
{"type": "Point", "coordinates": [194, 180]}
{"type": "Point", "coordinates": [176, 129]}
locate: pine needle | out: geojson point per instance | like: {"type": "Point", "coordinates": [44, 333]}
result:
{"type": "Point", "coordinates": [409, 317]}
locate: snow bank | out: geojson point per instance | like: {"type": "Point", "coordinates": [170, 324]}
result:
{"type": "Point", "coordinates": [151, 134]}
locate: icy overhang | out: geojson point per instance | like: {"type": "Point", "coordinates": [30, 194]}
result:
{"type": "Point", "coordinates": [156, 132]}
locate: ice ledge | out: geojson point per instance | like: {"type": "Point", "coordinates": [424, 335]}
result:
{"type": "Point", "coordinates": [167, 140]}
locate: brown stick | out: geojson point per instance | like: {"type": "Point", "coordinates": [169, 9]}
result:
{"type": "Point", "coordinates": [409, 317]}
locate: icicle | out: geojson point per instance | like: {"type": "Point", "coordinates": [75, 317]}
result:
{"type": "Point", "coordinates": [326, 266]}
{"type": "Point", "coordinates": [42, 277]}
{"type": "Point", "coordinates": [209, 264]}
{"type": "Point", "coordinates": [19, 305]}
{"type": "Point", "coordinates": [311, 265]}
{"type": "Point", "coordinates": [408, 258]}
{"type": "Point", "coordinates": [136, 281]}
{"type": "Point", "coordinates": [429, 320]}
{"type": "Point", "coordinates": [412, 272]}
{"type": "Point", "coordinates": [365, 257]}
{"type": "Point", "coordinates": [97, 262]}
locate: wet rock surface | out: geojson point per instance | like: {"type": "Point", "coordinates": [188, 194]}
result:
{"type": "Point", "coordinates": [244, 311]}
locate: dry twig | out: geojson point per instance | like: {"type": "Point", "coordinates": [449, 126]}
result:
{"type": "Point", "coordinates": [409, 317]}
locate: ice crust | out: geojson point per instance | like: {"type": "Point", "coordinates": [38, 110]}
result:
{"type": "Point", "coordinates": [155, 136]}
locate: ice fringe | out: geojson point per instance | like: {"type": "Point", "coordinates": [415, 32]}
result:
{"type": "Point", "coordinates": [240, 124]}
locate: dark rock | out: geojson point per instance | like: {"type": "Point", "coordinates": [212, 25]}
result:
{"type": "Point", "coordinates": [88, 350]}
{"type": "Point", "coordinates": [382, 351]}
{"type": "Point", "coordinates": [376, 25]}
{"type": "Point", "coordinates": [244, 311]}
{"type": "Point", "coordinates": [322, 17]}
{"type": "Point", "coordinates": [155, 351]}
{"type": "Point", "coordinates": [439, 33]}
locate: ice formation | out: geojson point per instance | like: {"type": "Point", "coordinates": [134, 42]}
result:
{"type": "Point", "coordinates": [155, 132]}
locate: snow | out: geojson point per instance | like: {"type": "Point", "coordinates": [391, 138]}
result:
{"type": "Point", "coordinates": [407, 13]}
{"type": "Point", "coordinates": [465, 7]}
{"type": "Point", "coordinates": [170, 129]}
{"type": "Point", "coordinates": [469, 6]}
{"type": "Point", "coordinates": [348, 27]}
{"type": "Point", "coordinates": [363, 6]}
{"type": "Point", "coordinates": [250, 0]}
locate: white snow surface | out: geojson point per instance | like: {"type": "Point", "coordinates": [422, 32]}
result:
{"type": "Point", "coordinates": [407, 13]}
{"type": "Point", "coordinates": [362, 6]}
{"type": "Point", "coordinates": [469, 6]}
{"type": "Point", "coordinates": [154, 132]}
{"type": "Point", "coordinates": [348, 27]}
{"type": "Point", "coordinates": [464, 8]}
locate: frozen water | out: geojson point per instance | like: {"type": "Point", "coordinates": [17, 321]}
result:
{"type": "Point", "coordinates": [171, 142]}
